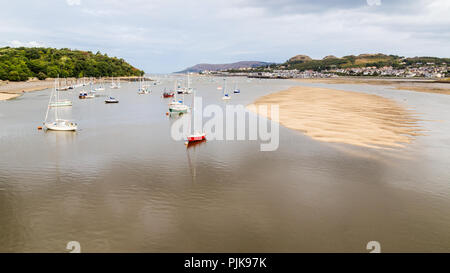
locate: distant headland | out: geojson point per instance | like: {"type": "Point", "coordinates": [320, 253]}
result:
{"type": "Point", "coordinates": [220, 67]}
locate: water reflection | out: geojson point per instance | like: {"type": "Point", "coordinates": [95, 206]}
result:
{"type": "Point", "coordinates": [121, 183]}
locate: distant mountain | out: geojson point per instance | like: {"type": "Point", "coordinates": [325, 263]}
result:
{"type": "Point", "coordinates": [218, 67]}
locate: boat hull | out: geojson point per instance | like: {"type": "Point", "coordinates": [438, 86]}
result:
{"type": "Point", "coordinates": [174, 110]}
{"type": "Point", "coordinates": [61, 104]}
{"type": "Point", "coordinates": [61, 126]}
{"type": "Point", "coordinates": [168, 95]}
{"type": "Point", "coordinates": [195, 138]}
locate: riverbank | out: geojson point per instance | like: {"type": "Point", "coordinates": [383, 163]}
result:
{"type": "Point", "coordinates": [10, 90]}
{"type": "Point", "coordinates": [344, 117]}
{"type": "Point", "coordinates": [426, 86]}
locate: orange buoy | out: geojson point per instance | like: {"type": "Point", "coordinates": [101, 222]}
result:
{"type": "Point", "coordinates": [167, 113]}
{"type": "Point", "coordinates": [39, 127]}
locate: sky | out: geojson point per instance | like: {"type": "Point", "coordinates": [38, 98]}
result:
{"type": "Point", "coordinates": [162, 36]}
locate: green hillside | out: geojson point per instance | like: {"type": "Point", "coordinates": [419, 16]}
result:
{"type": "Point", "coordinates": [19, 64]}
{"type": "Point", "coordinates": [363, 60]}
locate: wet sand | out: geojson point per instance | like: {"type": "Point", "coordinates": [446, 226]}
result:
{"type": "Point", "coordinates": [6, 96]}
{"type": "Point", "coordinates": [9, 90]}
{"type": "Point", "coordinates": [426, 86]}
{"type": "Point", "coordinates": [344, 117]}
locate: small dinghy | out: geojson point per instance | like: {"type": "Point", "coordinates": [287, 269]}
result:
{"type": "Point", "coordinates": [111, 100]}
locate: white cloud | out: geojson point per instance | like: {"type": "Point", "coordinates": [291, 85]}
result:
{"type": "Point", "coordinates": [73, 2]}
{"type": "Point", "coordinates": [374, 2]}
{"type": "Point", "coordinates": [16, 43]}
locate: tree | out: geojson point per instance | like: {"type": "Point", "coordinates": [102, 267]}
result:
{"type": "Point", "coordinates": [50, 62]}
{"type": "Point", "coordinates": [41, 76]}
{"type": "Point", "coordinates": [14, 76]}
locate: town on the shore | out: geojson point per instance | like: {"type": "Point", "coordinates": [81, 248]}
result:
{"type": "Point", "coordinates": [428, 70]}
{"type": "Point", "coordinates": [302, 66]}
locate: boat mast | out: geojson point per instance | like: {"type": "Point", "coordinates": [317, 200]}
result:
{"type": "Point", "coordinates": [224, 86]}
{"type": "Point", "coordinates": [56, 109]}
{"type": "Point", "coordinates": [192, 113]}
{"type": "Point", "coordinates": [50, 101]}
{"type": "Point", "coordinates": [175, 90]}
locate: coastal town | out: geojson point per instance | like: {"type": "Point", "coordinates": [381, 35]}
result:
{"type": "Point", "coordinates": [415, 71]}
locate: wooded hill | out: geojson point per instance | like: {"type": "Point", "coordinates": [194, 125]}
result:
{"type": "Point", "coordinates": [303, 62]}
{"type": "Point", "coordinates": [19, 64]}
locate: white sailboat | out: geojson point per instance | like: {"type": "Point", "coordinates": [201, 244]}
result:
{"type": "Point", "coordinates": [111, 99]}
{"type": "Point", "coordinates": [57, 124]}
{"type": "Point", "coordinates": [236, 89]}
{"type": "Point", "coordinates": [226, 96]}
{"type": "Point", "coordinates": [178, 106]}
{"type": "Point", "coordinates": [188, 89]}
{"type": "Point", "coordinates": [143, 89]}
{"type": "Point", "coordinates": [91, 93]}
{"type": "Point", "coordinates": [101, 87]}
{"type": "Point", "coordinates": [115, 85]}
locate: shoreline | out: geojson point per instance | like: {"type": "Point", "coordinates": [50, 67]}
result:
{"type": "Point", "coordinates": [8, 96]}
{"type": "Point", "coordinates": [336, 116]}
{"type": "Point", "coordinates": [397, 84]}
{"type": "Point", "coordinates": [11, 90]}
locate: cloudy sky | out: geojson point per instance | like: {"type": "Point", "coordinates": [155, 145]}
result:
{"type": "Point", "coordinates": [169, 35]}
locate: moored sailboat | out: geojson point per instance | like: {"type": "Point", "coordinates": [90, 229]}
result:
{"type": "Point", "coordinates": [225, 96]}
{"type": "Point", "coordinates": [236, 89]}
{"type": "Point", "coordinates": [57, 124]}
{"type": "Point", "coordinates": [143, 89]}
{"type": "Point", "coordinates": [196, 136]}
{"type": "Point", "coordinates": [178, 106]}
{"type": "Point", "coordinates": [101, 87]}
{"type": "Point", "coordinates": [168, 94]}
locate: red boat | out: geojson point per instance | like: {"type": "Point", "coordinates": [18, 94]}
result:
{"type": "Point", "coordinates": [168, 94]}
{"type": "Point", "coordinates": [196, 137]}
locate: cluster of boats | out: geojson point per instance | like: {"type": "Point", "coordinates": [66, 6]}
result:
{"type": "Point", "coordinates": [92, 92]}
{"type": "Point", "coordinates": [176, 106]}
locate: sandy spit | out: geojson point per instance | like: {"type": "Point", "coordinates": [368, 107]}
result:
{"type": "Point", "coordinates": [6, 96]}
{"type": "Point", "coordinates": [344, 117]}
{"type": "Point", "coordinates": [9, 90]}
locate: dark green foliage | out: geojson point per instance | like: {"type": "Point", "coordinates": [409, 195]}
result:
{"type": "Point", "coordinates": [425, 60]}
{"type": "Point", "coordinates": [364, 60]}
{"type": "Point", "coordinates": [19, 64]}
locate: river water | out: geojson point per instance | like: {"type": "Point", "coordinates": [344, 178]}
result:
{"type": "Point", "coordinates": [122, 184]}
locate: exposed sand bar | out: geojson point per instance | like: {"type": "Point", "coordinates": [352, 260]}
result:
{"type": "Point", "coordinates": [426, 86]}
{"type": "Point", "coordinates": [7, 96]}
{"type": "Point", "coordinates": [9, 90]}
{"type": "Point", "coordinates": [344, 117]}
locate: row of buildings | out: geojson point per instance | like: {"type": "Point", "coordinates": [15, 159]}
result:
{"type": "Point", "coordinates": [417, 71]}
{"type": "Point", "coordinates": [428, 71]}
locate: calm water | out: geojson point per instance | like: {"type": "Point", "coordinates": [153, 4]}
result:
{"type": "Point", "coordinates": [121, 184]}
